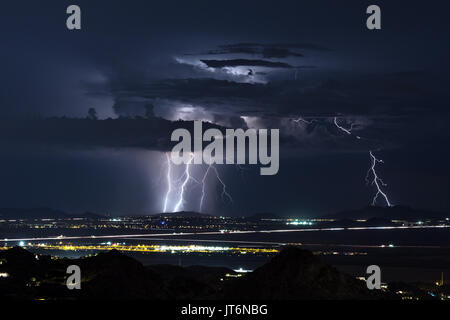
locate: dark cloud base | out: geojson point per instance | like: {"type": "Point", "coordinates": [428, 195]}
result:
{"type": "Point", "coordinates": [245, 62]}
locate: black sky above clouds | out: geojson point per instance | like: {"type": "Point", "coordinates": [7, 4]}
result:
{"type": "Point", "coordinates": [235, 64]}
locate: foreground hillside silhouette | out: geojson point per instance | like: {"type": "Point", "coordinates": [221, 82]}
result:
{"type": "Point", "coordinates": [292, 274]}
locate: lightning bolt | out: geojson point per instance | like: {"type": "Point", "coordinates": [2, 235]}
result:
{"type": "Point", "coordinates": [182, 183]}
{"type": "Point", "coordinates": [347, 131]}
{"type": "Point", "coordinates": [203, 188]}
{"type": "Point", "coordinates": [183, 186]}
{"type": "Point", "coordinates": [169, 182]}
{"type": "Point", "coordinates": [300, 119]}
{"type": "Point", "coordinates": [376, 180]}
{"type": "Point", "coordinates": [224, 187]}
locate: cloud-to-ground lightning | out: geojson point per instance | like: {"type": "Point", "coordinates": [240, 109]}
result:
{"type": "Point", "coordinates": [203, 187]}
{"type": "Point", "coordinates": [169, 182]}
{"type": "Point", "coordinates": [372, 171]}
{"type": "Point", "coordinates": [183, 186]}
{"type": "Point", "coordinates": [181, 183]}
{"type": "Point", "coordinates": [224, 187]}
{"type": "Point", "coordinates": [376, 181]}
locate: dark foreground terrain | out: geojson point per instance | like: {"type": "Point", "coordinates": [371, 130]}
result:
{"type": "Point", "coordinates": [292, 274]}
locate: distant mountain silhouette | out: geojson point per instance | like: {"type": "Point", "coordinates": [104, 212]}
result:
{"type": "Point", "coordinates": [394, 212]}
{"type": "Point", "coordinates": [42, 213]}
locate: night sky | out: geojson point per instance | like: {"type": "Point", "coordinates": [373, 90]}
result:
{"type": "Point", "coordinates": [236, 64]}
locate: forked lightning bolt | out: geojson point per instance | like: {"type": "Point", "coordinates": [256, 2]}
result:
{"type": "Point", "coordinates": [203, 182]}
{"type": "Point", "coordinates": [183, 186]}
{"type": "Point", "coordinates": [203, 188]}
{"type": "Point", "coordinates": [169, 182]}
{"type": "Point", "coordinates": [376, 180]}
{"type": "Point", "coordinates": [224, 187]}
{"type": "Point", "coordinates": [184, 180]}
{"type": "Point", "coordinates": [300, 119]}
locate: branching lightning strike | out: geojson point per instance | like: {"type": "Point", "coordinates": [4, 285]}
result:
{"type": "Point", "coordinates": [203, 183]}
{"type": "Point", "coordinates": [183, 181]}
{"type": "Point", "coordinates": [169, 182]}
{"type": "Point", "coordinates": [300, 119]}
{"type": "Point", "coordinates": [183, 186]}
{"type": "Point", "coordinates": [203, 188]}
{"type": "Point", "coordinates": [224, 187]}
{"type": "Point", "coordinates": [376, 180]}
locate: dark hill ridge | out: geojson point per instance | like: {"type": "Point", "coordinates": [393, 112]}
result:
{"type": "Point", "coordinates": [292, 274]}
{"type": "Point", "coordinates": [262, 216]}
{"type": "Point", "coordinates": [31, 213]}
{"type": "Point", "coordinates": [394, 212]}
{"type": "Point", "coordinates": [113, 275]}
{"type": "Point", "coordinates": [298, 274]}
{"type": "Point", "coordinates": [43, 213]}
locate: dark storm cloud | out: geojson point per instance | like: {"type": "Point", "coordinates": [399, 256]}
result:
{"type": "Point", "coordinates": [280, 50]}
{"type": "Point", "coordinates": [135, 133]}
{"type": "Point", "coordinates": [154, 133]}
{"type": "Point", "coordinates": [128, 107]}
{"type": "Point", "coordinates": [234, 122]}
{"type": "Point", "coordinates": [245, 62]}
{"type": "Point", "coordinates": [365, 94]}
{"type": "Point", "coordinates": [385, 107]}
{"type": "Point", "coordinates": [138, 133]}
